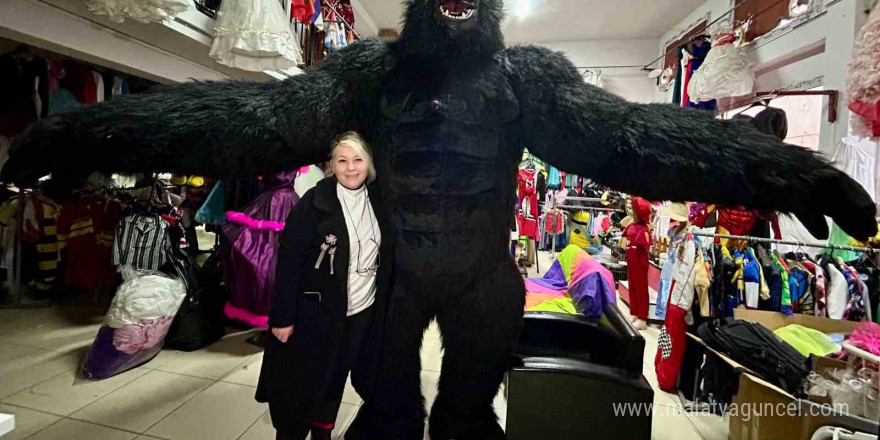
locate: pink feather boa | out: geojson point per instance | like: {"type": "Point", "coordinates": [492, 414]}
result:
{"type": "Point", "coordinates": [245, 220]}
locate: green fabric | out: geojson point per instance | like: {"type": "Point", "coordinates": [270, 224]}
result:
{"type": "Point", "coordinates": [561, 305]}
{"type": "Point", "coordinates": [807, 341]}
{"type": "Point", "coordinates": [786, 289]}
{"type": "Point", "coordinates": [840, 238]}
{"type": "Point", "coordinates": [566, 259]}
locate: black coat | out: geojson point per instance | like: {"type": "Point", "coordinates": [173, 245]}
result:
{"type": "Point", "coordinates": [296, 374]}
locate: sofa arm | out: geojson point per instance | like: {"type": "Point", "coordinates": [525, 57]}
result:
{"type": "Point", "coordinates": [568, 399]}
{"type": "Point", "coordinates": [630, 354]}
{"type": "Point", "coordinates": [559, 335]}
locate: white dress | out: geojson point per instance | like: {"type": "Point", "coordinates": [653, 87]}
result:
{"type": "Point", "coordinates": [144, 11]}
{"type": "Point", "coordinates": [724, 73]}
{"type": "Point", "coordinates": [254, 35]}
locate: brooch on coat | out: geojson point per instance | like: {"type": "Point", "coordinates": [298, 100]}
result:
{"type": "Point", "coordinates": [328, 246]}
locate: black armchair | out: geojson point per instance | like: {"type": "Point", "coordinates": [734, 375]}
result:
{"type": "Point", "coordinates": [575, 379]}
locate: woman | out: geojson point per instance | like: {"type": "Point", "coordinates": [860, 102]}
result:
{"type": "Point", "coordinates": [329, 305]}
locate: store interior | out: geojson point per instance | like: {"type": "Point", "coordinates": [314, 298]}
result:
{"type": "Point", "coordinates": [136, 306]}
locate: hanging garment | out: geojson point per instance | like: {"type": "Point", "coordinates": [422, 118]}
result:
{"type": "Point", "coordinates": [863, 88]}
{"type": "Point", "coordinates": [837, 292]}
{"type": "Point", "coordinates": [666, 273]}
{"type": "Point", "coordinates": [254, 35]}
{"type": "Point", "coordinates": [527, 214]}
{"type": "Point", "coordinates": [785, 305]}
{"type": "Point", "coordinates": [85, 229]}
{"type": "Point", "coordinates": [702, 282]}
{"type": "Point", "coordinates": [140, 242]}
{"type": "Point", "coordinates": [857, 163]}
{"type": "Point", "coordinates": [213, 211]}
{"type": "Point", "coordinates": [554, 222]}
{"type": "Point", "coordinates": [144, 11]}
{"type": "Point", "coordinates": [554, 180]}
{"type": "Point", "coordinates": [699, 54]}
{"type": "Point", "coordinates": [249, 250]}
{"type": "Point", "coordinates": [792, 229]}
{"type": "Point", "coordinates": [24, 85]}
{"type": "Point", "coordinates": [820, 307]}
{"type": "Point", "coordinates": [725, 73]}
{"type": "Point", "coordinates": [48, 246]}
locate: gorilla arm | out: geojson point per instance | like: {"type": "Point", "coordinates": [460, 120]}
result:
{"type": "Point", "coordinates": [663, 152]}
{"type": "Point", "coordinates": [216, 129]}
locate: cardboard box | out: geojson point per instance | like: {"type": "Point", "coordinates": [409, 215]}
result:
{"type": "Point", "coordinates": [775, 320]}
{"type": "Point", "coordinates": [766, 411]}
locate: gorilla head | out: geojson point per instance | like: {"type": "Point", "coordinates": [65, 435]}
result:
{"type": "Point", "coordinates": [453, 27]}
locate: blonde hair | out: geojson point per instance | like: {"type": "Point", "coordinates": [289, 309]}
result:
{"type": "Point", "coordinates": [354, 141]}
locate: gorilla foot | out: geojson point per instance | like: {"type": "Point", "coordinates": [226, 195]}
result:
{"type": "Point", "coordinates": [446, 426]}
{"type": "Point", "coordinates": [373, 425]}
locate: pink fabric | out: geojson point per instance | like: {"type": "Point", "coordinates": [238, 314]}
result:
{"type": "Point", "coordinates": [589, 266]}
{"type": "Point", "coordinates": [245, 316]}
{"type": "Point", "coordinates": [323, 425]}
{"type": "Point", "coordinates": [141, 336]}
{"type": "Point", "coordinates": [867, 337]}
{"type": "Point", "coordinates": [533, 287]}
{"type": "Point", "coordinates": [243, 219]}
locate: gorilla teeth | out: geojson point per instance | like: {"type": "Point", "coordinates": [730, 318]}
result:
{"type": "Point", "coordinates": [464, 16]}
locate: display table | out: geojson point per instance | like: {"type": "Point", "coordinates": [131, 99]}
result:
{"type": "Point", "coordinates": [7, 424]}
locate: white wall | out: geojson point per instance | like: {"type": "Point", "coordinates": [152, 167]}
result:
{"type": "Point", "coordinates": [821, 47]}
{"type": "Point", "coordinates": [169, 52]}
{"type": "Point", "coordinates": [632, 84]}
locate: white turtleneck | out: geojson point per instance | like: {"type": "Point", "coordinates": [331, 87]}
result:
{"type": "Point", "coordinates": [364, 239]}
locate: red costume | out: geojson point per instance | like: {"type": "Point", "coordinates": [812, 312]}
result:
{"type": "Point", "coordinates": [527, 215]}
{"type": "Point", "coordinates": [638, 242]}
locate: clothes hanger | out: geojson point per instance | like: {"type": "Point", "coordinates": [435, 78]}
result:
{"type": "Point", "coordinates": [763, 101]}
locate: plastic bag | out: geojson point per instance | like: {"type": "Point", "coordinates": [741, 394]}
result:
{"type": "Point", "coordinates": [200, 320]}
{"type": "Point", "coordinates": [135, 326]}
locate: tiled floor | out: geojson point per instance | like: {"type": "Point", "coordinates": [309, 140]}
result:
{"type": "Point", "coordinates": [206, 394]}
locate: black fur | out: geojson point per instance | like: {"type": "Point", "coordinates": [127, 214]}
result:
{"type": "Point", "coordinates": [448, 112]}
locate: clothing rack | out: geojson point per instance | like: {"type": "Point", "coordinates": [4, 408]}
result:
{"type": "Point", "coordinates": [788, 242]}
{"type": "Point", "coordinates": [585, 199]}
{"type": "Point", "coordinates": [332, 7]}
{"type": "Point", "coordinates": [586, 208]}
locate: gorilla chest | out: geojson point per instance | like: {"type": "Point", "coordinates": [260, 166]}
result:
{"type": "Point", "coordinates": [445, 126]}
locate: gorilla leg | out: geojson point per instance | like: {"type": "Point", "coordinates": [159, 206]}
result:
{"type": "Point", "coordinates": [395, 408]}
{"type": "Point", "coordinates": [480, 330]}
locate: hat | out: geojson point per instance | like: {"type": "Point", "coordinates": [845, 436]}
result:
{"type": "Point", "coordinates": [677, 211]}
{"type": "Point", "coordinates": [641, 209]}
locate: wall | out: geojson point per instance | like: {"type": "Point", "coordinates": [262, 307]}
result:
{"type": "Point", "coordinates": [821, 47]}
{"type": "Point", "coordinates": [632, 84]}
{"type": "Point", "coordinates": [170, 52]}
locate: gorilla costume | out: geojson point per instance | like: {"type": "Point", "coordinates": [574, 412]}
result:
{"type": "Point", "coordinates": [448, 111]}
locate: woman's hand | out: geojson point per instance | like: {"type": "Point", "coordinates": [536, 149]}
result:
{"type": "Point", "coordinates": [283, 333]}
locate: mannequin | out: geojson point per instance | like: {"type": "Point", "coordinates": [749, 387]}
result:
{"type": "Point", "coordinates": [637, 241]}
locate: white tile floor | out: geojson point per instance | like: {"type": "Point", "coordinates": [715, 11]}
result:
{"type": "Point", "coordinates": [206, 394]}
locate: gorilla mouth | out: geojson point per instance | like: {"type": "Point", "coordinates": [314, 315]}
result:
{"type": "Point", "coordinates": [457, 10]}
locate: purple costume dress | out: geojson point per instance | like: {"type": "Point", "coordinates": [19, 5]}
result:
{"type": "Point", "coordinates": [249, 249]}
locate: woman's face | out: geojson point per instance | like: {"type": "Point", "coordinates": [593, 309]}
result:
{"type": "Point", "coordinates": [349, 167]}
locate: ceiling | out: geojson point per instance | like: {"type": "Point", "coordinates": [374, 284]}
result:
{"type": "Point", "coordinates": [570, 20]}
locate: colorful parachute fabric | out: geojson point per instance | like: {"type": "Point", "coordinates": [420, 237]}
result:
{"type": "Point", "coordinates": [574, 277]}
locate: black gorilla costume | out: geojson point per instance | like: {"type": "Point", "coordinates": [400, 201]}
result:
{"type": "Point", "coordinates": [448, 111]}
